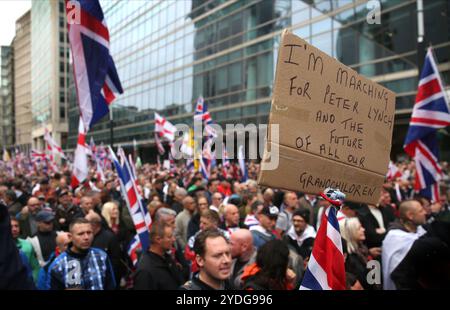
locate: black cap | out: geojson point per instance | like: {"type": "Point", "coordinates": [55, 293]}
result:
{"type": "Point", "coordinates": [271, 212]}
{"type": "Point", "coordinates": [63, 192]}
{"type": "Point", "coordinates": [304, 213]}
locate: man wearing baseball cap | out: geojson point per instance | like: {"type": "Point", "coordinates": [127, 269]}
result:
{"type": "Point", "coordinates": [44, 242]}
{"type": "Point", "coordinates": [66, 211]}
{"type": "Point", "coordinates": [264, 231]}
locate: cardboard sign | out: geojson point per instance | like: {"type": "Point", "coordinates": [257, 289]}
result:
{"type": "Point", "coordinates": [335, 126]}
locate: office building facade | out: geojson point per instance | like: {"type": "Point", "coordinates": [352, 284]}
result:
{"type": "Point", "coordinates": [7, 96]}
{"type": "Point", "coordinates": [50, 71]}
{"type": "Point", "coordinates": [22, 83]}
{"type": "Point", "coordinates": [170, 52]}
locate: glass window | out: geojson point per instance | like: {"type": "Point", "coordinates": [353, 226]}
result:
{"type": "Point", "coordinates": [346, 46]}
{"type": "Point", "coordinates": [323, 42]}
{"type": "Point", "coordinates": [300, 12]}
{"type": "Point", "coordinates": [263, 67]}
{"type": "Point", "coordinates": [236, 74]}
{"type": "Point", "coordinates": [401, 86]}
{"type": "Point", "coordinates": [264, 108]}
{"type": "Point", "coordinates": [302, 32]}
{"type": "Point", "coordinates": [221, 80]}
{"type": "Point", "coordinates": [321, 26]}
{"type": "Point", "coordinates": [187, 90]}
{"type": "Point", "coordinates": [249, 110]}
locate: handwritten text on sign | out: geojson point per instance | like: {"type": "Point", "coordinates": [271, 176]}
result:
{"type": "Point", "coordinates": [330, 111]}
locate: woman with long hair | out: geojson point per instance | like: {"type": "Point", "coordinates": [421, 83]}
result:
{"type": "Point", "coordinates": [357, 253]}
{"type": "Point", "coordinates": [110, 213]}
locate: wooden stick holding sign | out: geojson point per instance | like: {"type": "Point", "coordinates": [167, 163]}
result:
{"type": "Point", "coordinates": [335, 126]}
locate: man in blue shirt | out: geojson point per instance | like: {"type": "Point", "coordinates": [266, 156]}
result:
{"type": "Point", "coordinates": [80, 266]}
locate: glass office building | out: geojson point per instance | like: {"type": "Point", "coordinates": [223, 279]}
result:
{"type": "Point", "coordinates": [170, 52]}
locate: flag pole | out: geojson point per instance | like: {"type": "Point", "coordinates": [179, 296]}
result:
{"type": "Point", "coordinates": [420, 36]}
{"type": "Point", "coordinates": [111, 128]}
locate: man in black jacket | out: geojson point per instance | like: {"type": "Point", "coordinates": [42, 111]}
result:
{"type": "Point", "coordinates": [156, 270]}
{"type": "Point", "coordinates": [44, 242]}
{"type": "Point", "coordinates": [376, 220]}
{"type": "Point", "coordinates": [105, 239]}
{"type": "Point", "coordinates": [66, 211]}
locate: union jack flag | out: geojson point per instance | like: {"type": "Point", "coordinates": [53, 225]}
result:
{"type": "Point", "coordinates": [202, 114]}
{"type": "Point", "coordinates": [431, 112]}
{"type": "Point", "coordinates": [139, 213]}
{"type": "Point", "coordinates": [326, 269]}
{"type": "Point", "coordinates": [133, 248]}
{"type": "Point", "coordinates": [96, 78]}
{"type": "Point", "coordinates": [37, 155]}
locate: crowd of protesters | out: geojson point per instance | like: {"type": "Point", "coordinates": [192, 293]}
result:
{"type": "Point", "coordinates": [219, 233]}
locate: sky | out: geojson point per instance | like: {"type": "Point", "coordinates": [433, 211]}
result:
{"type": "Point", "coordinates": [10, 11]}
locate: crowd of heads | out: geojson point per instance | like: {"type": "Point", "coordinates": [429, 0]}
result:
{"type": "Point", "coordinates": [240, 232]}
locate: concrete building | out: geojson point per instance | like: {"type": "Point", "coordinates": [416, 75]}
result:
{"type": "Point", "coordinates": [22, 82]}
{"type": "Point", "coordinates": [50, 71]}
{"type": "Point", "coordinates": [7, 97]}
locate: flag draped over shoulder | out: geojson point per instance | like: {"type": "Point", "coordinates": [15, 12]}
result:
{"type": "Point", "coordinates": [96, 78]}
{"type": "Point", "coordinates": [431, 112]}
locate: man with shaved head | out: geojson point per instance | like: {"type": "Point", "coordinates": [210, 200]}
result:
{"type": "Point", "coordinates": [182, 221]}
{"type": "Point", "coordinates": [290, 204]}
{"type": "Point", "coordinates": [412, 215]}
{"type": "Point", "coordinates": [243, 253]}
{"type": "Point", "coordinates": [400, 239]}
{"type": "Point", "coordinates": [231, 220]}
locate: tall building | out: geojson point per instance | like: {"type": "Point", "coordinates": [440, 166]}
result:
{"type": "Point", "coordinates": [7, 96]}
{"type": "Point", "coordinates": [168, 53]}
{"type": "Point", "coordinates": [50, 71]}
{"type": "Point", "coordinates": [22, 82]}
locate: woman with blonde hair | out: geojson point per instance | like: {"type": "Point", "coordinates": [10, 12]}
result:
{"type": "Point", "coordinates": [357, 253]}
{"type": "Point", "coordinates": [110, 213]}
